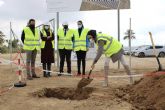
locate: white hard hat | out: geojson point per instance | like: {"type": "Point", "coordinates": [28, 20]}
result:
{"type": "Point", "coordinates": [65, 23]}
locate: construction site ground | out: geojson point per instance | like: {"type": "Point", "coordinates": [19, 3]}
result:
{"type": "Point", "coordinates": [97, 97]}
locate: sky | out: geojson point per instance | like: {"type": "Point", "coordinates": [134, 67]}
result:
{"type": "Point", "coordinates": [146, 15]}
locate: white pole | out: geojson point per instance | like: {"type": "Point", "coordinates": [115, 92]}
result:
{"type": "Point", "coordinates": [130, 35]}
{"type": "Point", "coordinates": [10, 46]}
{"type": "Point", "coordinates": [57, 40]}
{"type": "Point", "coordinates": [54, 39]}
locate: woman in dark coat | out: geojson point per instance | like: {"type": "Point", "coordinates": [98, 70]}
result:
{"type": "Point", "coordinates": [47, 49]}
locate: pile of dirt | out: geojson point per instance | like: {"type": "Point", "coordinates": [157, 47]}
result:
{"type": "Point", "coordinates": [146, 94]}
{"type": "Point", "coordinates": [65, 93]}
{"type": "Point", "coordinates": [84, 82]}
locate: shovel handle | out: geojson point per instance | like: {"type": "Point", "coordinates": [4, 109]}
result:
{"type": "Point", "coordinates": [153, 45]}
{"type": "Point", "coordinates": [90, 73]}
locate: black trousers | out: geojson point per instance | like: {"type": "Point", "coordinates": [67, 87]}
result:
{"type": "Point", "coordinates": [46, 66]}
{"type": "Point", "coordinates": [65, 54]}
{"type": "Point", "coordinates": [81, 57]}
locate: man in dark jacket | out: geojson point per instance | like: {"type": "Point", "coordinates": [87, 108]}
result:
{"type": "Point", "coordinates": [30, 39]}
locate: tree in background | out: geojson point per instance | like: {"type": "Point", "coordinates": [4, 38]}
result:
{"type": "Point", "coordinates": [130, 35]}
{"type": "Point", "coordinates": [1, 38]}
{"type": "Point", "coordinates": [15, 43]}
{"type": "Point", "coordinates": [3, 48]}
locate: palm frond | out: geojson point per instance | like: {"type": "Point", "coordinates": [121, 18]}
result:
{"type": "Point", "coordinates": [126, 37]}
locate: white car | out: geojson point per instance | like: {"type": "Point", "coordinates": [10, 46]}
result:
{"type": "Point", "coordinates": [126, 51]}
{"type": "Point", "coordinates": [148, 51]}
{"type": "Point", "coordinates": [136, 49]}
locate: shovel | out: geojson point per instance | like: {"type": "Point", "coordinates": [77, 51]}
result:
{"type": "Point", "coordinates": [154, 50]}
{"type": "Point", "coordinates": [85, 81]}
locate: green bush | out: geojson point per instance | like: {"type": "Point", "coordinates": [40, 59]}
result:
{"type": "Point", "coordinates": [4, 49]}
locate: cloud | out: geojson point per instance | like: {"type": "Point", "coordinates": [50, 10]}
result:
{"type": "Point", "coordinates": [23, 9]}
{"type": "Point", "coordinates": [147, 15]}
{"type": "Point", "coordinates": [1, 3]}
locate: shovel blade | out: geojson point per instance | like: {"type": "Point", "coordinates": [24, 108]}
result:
{"type": "Point", "coordinates": [84, 82]}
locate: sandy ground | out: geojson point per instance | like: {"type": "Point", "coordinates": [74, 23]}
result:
{"type": "Point", "coordinates": [101, 98]}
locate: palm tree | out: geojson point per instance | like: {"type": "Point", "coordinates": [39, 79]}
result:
{"type": "Point", "coordinates": [129, 34]}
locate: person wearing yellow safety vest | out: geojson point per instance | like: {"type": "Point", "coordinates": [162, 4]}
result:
{"type": "Point", "coordinates": [112, 48]}
{"type": "Point", "coordinates": [30, 38]}
{"type": "Point", "coordinates": [65, 46]}
{"type": "Point", "coordinates": [47, 49]}
{"type": "Point", "coordinates": [81, 44]}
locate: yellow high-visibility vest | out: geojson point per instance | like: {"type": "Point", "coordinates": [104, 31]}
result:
{"type": "Point", "coordinates": [80, 41]}
{"type": "Point", "coordinates": [45, 35]}
{"type": "Point", "coordinates": [31, 41]}
{"type": "Point", "coordinates": [112, 45]}
{"type": "Point", "coordinates": [65, 41]}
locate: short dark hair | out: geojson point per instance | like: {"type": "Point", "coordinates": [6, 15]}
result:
{"type": "Point", "coordinates": [80, 22]}
{"type": "Point", "coordinates": [92, 33]}
{"type": "Point", "coordinates": [31, 20]}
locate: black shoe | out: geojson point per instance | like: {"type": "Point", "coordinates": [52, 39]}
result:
{"type": "Point", "coordinates": [78, 74]}
{"type": "Point", "coordinates": [69, 74]}
{"type": "Point", "coordinates": [35, 76]}
{"type": "Point", "coordinates": [49, 75]}
{"type": "Point", "coordinates": [59, 74]}
{"type": "Point", "coordinates": [45, 75]}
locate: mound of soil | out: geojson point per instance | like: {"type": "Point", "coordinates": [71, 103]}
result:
{"type": "Point", "coordinates": [65, 93]}
{"type": "Point", "coordinates": [146, 94]}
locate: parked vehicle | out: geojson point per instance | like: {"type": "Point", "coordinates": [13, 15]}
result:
{"type": "Point", "coordinates": [148, 51]}
{"type": "Point", "coordinates": [134, 49]}
{"type": "Point", "coordinates": [138, 48]}
{"type": "Point", "coordinates": [126, 52]}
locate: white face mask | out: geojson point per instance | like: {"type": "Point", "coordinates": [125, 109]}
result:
{"type": "Point", "coordinates": [80, 26]}
{"type": "Point", "coordinates": [46, 27]}
{"type": "Point", "coordinates": [91, 40]}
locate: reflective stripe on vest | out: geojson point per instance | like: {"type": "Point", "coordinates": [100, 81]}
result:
{"type": "Point", "coordinates": [31, 41]}
{"type": "Point", "coordinates": [65, 41]}
{"type": "Point", "coordinates": [80, 41]}
{"type": "Point", "coordinates": [112, 46]}
{"type": "Point", "coordinates": [45, 35]}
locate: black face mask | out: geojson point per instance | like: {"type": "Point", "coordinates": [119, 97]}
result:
{"type": "Point", "coordinates": [65, 27]}
{"type": "Point", "coordinates": [32, 26]}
